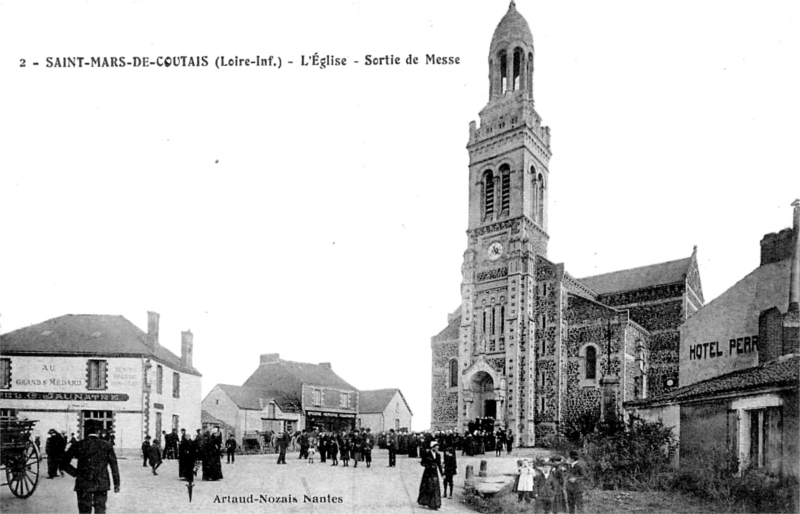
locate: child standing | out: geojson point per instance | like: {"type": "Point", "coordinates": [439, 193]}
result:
{"type": "Point", "coordinates": [333, 451]}
{"type": "Point", "coordinates": [312, 449]}
{"type": "Point", "coordinates": [525, 483]}
{"type": "Point", "coordinates": [450, 469]}
{"type": "Point", "coordinates": [344, 451]}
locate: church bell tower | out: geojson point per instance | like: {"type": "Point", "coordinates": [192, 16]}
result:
{"type": "Point", "coordinates": [509, 154]}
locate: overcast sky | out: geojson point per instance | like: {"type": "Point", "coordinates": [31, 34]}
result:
{"type": "Point", "coordinates": [321, 213]}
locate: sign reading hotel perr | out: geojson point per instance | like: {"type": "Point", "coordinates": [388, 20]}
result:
{"type": "Point", "coordinates": [714, 349]}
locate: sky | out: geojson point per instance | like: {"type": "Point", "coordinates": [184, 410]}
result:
{"type": "Point", "coordinates": [321, 213]}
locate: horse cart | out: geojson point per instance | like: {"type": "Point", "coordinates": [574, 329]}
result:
{"type": "Point", "coordinates": [19, 457]}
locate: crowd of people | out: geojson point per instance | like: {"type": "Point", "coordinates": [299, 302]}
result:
{"type": "Point", "coordinates": [554, 485]}
{"type": "Point", "coordinates": [202, 452]}
{"type": "Point", "coordinates": [323, 446]}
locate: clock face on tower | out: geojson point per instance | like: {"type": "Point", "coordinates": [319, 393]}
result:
{"type": "Point", "coordinates": [495, 251]}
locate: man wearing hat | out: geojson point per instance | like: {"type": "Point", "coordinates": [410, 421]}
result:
{"type": "Point", "coordinates": [578, 474]}
{"type": "Point", "coordinates": [54, 447]}
{"type": "Point", "coordinates": [145, 450]}
{"type": "Point", "coordinates": [391, 443]}
{"type": "Point", "coordinates": [92, 483]}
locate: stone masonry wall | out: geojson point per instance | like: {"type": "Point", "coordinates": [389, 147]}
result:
{"type": "Point", "coordinates": [444, 402]}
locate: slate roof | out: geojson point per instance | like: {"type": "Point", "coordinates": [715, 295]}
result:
{"type": "Point", "coordinates": [451, 330]}
{"type": "Point", "coordinates": [205, 417]}
{"type": "Point", "coordinates": [253, 398]}
{"type": "Point", "coordinates": [288, 377]}
{"type": "Point", "coordinates": [376, 401]}
{"type": "Point", "coordinates": [89, 335]}
{"type": "Point", "coordinates": [784, 371]}
{"type": "Point", "coordinates": [638, 278]}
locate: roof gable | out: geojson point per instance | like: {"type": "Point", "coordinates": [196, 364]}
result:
{"type": "Point", "coordinates": [375, 401]}
{"type": "Point", "coordinates": [252, 398]}
{"type": "Point", "coordinates": [288, 377]}
{"type": "Point", "coordinates": [86, 334]}
{"type": "Point", "coordinates": [639, 278]}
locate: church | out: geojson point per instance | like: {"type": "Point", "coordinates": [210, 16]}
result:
{"type": "Point", "coordinates": [530, 345]}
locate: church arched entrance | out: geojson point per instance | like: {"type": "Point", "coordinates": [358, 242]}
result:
{"type": "Point", "coordinates": [484, 403]}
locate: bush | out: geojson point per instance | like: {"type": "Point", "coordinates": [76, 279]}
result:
{"type": "Point", "coordinates": [710, 477]}
{"type": "Point", "coordinates": [634, 455]}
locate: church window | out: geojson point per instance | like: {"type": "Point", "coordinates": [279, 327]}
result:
{"type": "Point", "coordinates": [529, 71]}
{"type": "Point", "coordinates": [541, 404]}
{"type": "Point", "coordinates": [503, 72]}
{"type": "Point", "coordinates": [591, 363]}
{"type": "Point", "coordinates": [488, 204]}
{"type": "Point", "coordinates": [505, 191]}
{"type": "Point", "coordinates": [535, 195]}
{"type": "Point", "coordinates": [540, 200]}
{"type": "Point", "coordinates": [502, 319]}
{"type": "Point", "coordinates": [493, 323]}
{"type": "Point", "coordinates": [517, 68]}
{"type": "Point", "coordinates": [453, 373]}
{"type": "Point", "coordinates": [483, 325]}
{"type": "Point", "coordinates": [544, 289]}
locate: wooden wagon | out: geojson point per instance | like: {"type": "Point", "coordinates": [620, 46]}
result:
{"type": "Point", "coordinates": [19, 457]}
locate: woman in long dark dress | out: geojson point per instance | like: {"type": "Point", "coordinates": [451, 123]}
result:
{"type": "Point", "coordinates": [430, 492]}
{"type": "Point", "coordinates": [212, 452]}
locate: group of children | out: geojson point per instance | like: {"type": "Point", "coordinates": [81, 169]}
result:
{"type": "Point", "coordinates": [556, 486]}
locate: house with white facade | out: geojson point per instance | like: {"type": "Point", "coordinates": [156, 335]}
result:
{"type": "Point", "coordinates": [79, 370]}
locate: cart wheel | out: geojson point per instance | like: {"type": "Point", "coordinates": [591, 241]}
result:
{"type": "Point", "coordinates": [22, 472]}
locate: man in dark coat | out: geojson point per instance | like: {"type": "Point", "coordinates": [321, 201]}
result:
{"type": "Point", "coordinates": [187, 455]}
{"type": "Point", "coordinates": [391, 443]}
{"type": "Point", "coordinates": [145, 451]}
{"type": "Point", "coordinates": [155, 456]}
{"type": "Point", "coordinates": [94, 456]}
{"type": "Point", "coordinates": [450, 469]}
{"type": "Point", "coordinates": [230, 449]}
{"type": "Point", "coordinates": [576, 483]}
{"type": "Point", "coordinates": [282, 444]}
{"type": "Point", "coordinates": [509, 441]}
{"type": "Point", "coordinates": [54, 447]}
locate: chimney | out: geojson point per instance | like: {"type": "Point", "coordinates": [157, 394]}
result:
{"type": "Point", "coordinates": [794, 276]}
{"type": "Point", "coordinates": [267, 358]}
{"type": "Point", "coordinates": [152, 330]}
{"type": "Point", "coordinates": [770, 335]}
{"type": "Point", "coordinates": [326, 365]}
{"type": "Point", "coordinates": [791, 320]}
{"type": "Point", "coordinates": [187, 348]}
{"type": "Point", "coordinates": [776, 247]}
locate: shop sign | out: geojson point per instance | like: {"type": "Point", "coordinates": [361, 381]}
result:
{"type": "Point", "coordinates": [72, 397]}
{"type": "Point", "coordinates": [330, 414]}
